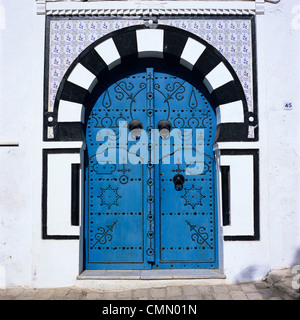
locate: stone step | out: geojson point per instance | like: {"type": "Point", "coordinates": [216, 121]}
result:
{"type": "Point", "coordinates": [286, 280]}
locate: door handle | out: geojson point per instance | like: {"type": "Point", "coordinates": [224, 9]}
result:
{"type": "Point", "coordinates": [178, 180]}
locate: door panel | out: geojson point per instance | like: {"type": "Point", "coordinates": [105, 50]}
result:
{"type": "Point", "coordinates": [187, 224]}
{"type": "Point", "coordinates": [116, 204]}
{"type": "Point", "coordinates": [135, 218]}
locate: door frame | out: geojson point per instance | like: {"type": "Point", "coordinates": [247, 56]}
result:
{"type": "Point", "coordinates": [167, 44]}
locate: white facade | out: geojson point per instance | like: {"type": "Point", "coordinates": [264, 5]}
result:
{"type": "Point", "coordinates": [28, 260]}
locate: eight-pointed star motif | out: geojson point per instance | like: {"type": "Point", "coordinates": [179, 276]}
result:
{"type": "Point", "coordinates": [109, 196]}
{"type": "Point", "coordinates": [193, 196]}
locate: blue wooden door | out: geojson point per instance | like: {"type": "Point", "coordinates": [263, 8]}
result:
{"type": "Point", "coordinates": [138, 216]}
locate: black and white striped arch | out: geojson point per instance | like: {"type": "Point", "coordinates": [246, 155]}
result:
{"type": "Point", "coordinates": [138, 42]}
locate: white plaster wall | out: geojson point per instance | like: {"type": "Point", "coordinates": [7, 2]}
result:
{"type": "Point", "coordinates": [18, 98]}
{"type": "Point", "coordinates": [282, 52]}
{"type": "Point", "coordinates": [278, 49]}
{"type": "Point", "coordinates": [26, 259]}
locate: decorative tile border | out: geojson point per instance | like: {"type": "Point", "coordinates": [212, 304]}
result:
{"type": "Point", "coordinates": [232, 38]}
{"type": "Point", "coordinates": [68, 38]}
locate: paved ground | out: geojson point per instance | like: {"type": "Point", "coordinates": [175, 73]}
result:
{"type": "Point", "coordinates": [260, 290]}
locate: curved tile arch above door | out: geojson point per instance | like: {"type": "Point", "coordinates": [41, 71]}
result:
{"type": "Point", "coordinates": [167, 43]}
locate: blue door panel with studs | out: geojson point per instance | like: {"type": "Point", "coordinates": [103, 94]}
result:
{"type": "Point", "coordinates": [135, 218]}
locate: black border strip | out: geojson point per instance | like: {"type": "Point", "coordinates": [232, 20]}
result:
{"type": "Point", "coordinates": [256, 215]}
{"type": "Point", "coordinates": [45, 235]}
{"type": "Point", "coordinates": [75, 193]}
{"type": "Point", "coordinates": [225, 185]}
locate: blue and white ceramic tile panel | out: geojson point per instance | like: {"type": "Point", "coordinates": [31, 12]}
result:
{"type": "Point", "coordinates": [232, 38]}
{"type": "Point", "coordinates": [68, 38]}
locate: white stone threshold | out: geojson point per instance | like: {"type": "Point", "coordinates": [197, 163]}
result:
{"type": "Point", "coordinates": [162, 274]}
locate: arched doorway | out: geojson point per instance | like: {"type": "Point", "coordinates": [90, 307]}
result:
{"type": "Point", "coordinates": [205, 71]}
{"type": "Point", "coordinates": [150, 195]}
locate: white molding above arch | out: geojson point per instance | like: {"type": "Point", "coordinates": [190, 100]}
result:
{"type": "Point", "coordinates": [150, 8]}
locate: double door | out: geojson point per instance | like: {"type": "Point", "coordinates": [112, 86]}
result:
{"type": "Point", "coordinates": [150, 176]}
